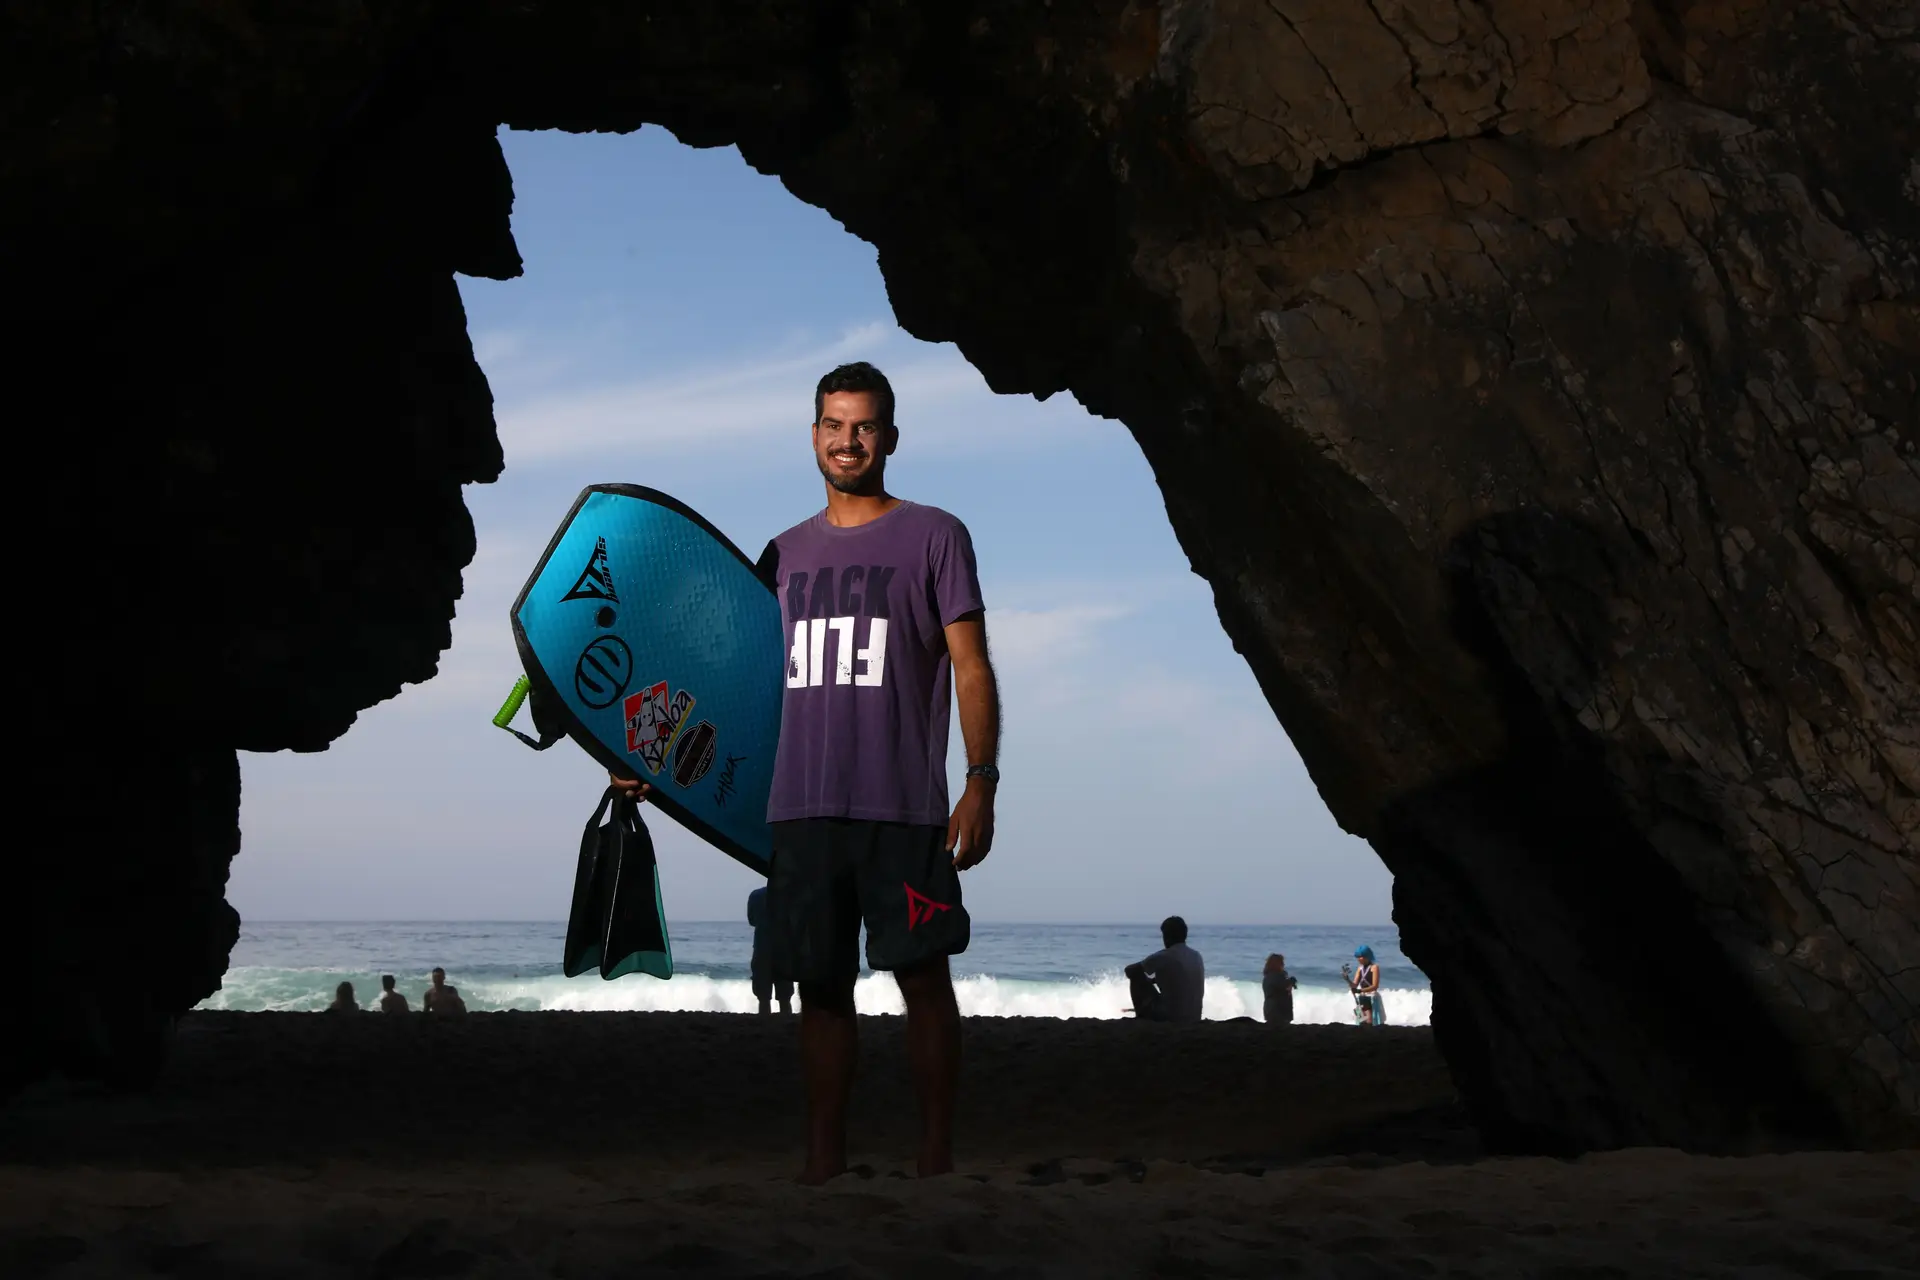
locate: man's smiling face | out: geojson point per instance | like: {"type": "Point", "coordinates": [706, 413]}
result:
{"type": "Point", "coordinates": [851, 442]}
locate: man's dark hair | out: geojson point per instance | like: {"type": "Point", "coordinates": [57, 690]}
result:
{"type": "Point", "coordinates": [858, 376]}
{"type": "Point", "coordinates": [1173, 931]}
{"type": "Point", "coordinates": [386, 982]}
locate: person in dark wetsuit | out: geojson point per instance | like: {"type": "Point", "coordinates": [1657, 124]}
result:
{"type": "Point", "coordinates": [765, 985]}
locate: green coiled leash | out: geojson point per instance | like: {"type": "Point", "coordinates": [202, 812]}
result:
{"type": "Point", "coordinates": [503, 718]}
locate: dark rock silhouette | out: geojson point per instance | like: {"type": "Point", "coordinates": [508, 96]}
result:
{"type": "Point", "coordinates": [1534, 381]}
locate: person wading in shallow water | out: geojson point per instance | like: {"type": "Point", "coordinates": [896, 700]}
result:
{"type": "Point", "coordinates": [391, 1001]}
{"type": "Point", "coordinates": [442, 998]}
{"type": "Point", "coordinates": [884, 623]}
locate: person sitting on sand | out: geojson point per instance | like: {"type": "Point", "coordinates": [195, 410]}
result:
{"type": "Point", "coordinates": [343, 1001]}
{"type": "Point", "coordinates": [441, 998]}
{"type": "Point", "coordinates": [764, 984]}
{"type": "Point", "coordinates": [391, 1001]}
{"type": "Point", "coordinates": [1168, 985]}
{"type": "Point", "coordinates": [1364, 982]}
{"type": "Point", "coordinates": [1276, 990]}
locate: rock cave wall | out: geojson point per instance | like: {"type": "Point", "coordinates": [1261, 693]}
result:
{"type": "Point", "coordinates": [1533, 380]}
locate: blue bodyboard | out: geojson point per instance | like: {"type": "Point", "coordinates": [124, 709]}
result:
{"type": "Point", "coordinates": [650, 640]}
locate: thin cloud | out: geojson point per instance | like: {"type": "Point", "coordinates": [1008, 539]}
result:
{"type": "Point", "coordinates": [513, 359]}
{"type": "Point", "coordinates": [498, 347]}
{"type": "Point", "coordinates": [1038, 638]}
{"type": "Point", "coordinates": [942, 399]}
{"type": "Point", "coordinates": [731, 400]}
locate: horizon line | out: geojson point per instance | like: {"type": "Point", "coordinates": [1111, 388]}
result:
{"type": "Point", "coordinates": [741, 920]}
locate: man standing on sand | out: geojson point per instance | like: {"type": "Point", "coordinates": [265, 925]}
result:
{"type": "Point", "coordinates": [441, 998]}
{"type": "Point", "coordinates": [884, 623]}
{"type": "Point", "coordinates": [1170, 984]}
{"type": "Point", "coordinates": [391, 1001]}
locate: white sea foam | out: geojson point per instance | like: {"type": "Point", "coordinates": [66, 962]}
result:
{"type": "Point", "coordinates": [1103, 996]}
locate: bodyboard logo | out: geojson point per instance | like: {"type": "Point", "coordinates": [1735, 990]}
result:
{"type": "Point", "coordinates": [653, 722]}
{"type": "Point", "coordinates": [693, 754]}
{"type": "Point", "coordinates": [596, 580]}
{"type": "Point", "coordinates": [602, 672]}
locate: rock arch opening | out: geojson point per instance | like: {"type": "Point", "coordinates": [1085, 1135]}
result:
{"type": "Point", "coordinates": [1533, 384]}
{"type": "Point", "coordinates": [674, 311]}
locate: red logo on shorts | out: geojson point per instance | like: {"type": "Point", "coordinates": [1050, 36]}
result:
{"type": "Point", "coordinates": [920, 907]}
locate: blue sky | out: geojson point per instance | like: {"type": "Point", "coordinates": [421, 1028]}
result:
{"type": "Point", "coordinates": [676, 310]}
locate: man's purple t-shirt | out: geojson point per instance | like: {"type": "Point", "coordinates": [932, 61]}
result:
{"type": "Point", "coordinates": [863, 729]}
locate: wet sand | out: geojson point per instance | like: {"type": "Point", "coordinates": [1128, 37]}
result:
{"type": "Point", "coordinates": [664, 1144]}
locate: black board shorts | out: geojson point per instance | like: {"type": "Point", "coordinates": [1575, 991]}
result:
{"type": "Point", "coordinates": [828, 875]}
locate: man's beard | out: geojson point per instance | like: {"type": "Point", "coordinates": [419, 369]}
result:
{"type": "Point", "coordinates": [867, 481]}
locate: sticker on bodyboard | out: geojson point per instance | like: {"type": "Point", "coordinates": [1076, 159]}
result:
{"type": "Point", "coordinates": [653, 721]}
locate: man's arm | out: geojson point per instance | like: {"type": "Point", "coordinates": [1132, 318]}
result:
{"type": "Point", "coordinates": [1148, 968]}
{"type": "Point", "coordinates": [970, 829]}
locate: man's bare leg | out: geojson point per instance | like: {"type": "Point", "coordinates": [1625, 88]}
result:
{"type": "Point", "coordinates": [829, 1044]}
{"type": "Point", "coordinates": [933, 1049]}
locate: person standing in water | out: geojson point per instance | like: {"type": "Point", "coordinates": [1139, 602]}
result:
{"type": "Point", "coordinates": [1276, 991]}
{"type": "Point", "coordinates": [882, 612]}
{"type": "Point", "coordinates": [441, 998]}
{"type": "Point", "coordinates": [765, 987]}
{"type": "Point", "coordinates": [1364, 982]}
{"type": "Point", "coordinates": [391, 1001]}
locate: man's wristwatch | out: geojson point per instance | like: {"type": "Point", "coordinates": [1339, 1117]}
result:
{"type": "Point", "coordinates": [987, 771]}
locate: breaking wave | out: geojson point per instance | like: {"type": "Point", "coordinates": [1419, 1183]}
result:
{"type": "Point", "coordinates": [258, 988]}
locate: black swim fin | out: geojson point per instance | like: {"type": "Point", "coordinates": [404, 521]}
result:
{"type": "Point", "coordinates": [618, 923]}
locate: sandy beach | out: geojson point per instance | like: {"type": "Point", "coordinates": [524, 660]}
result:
{"type": "Point", "coordinates": [664, 1144]}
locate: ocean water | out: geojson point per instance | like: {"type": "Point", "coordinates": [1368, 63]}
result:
{"type": "Point", "coordinates": [1030, 970]}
